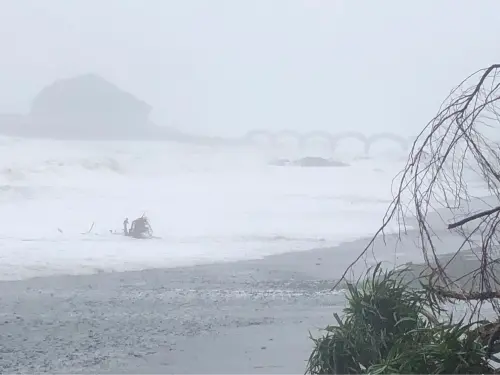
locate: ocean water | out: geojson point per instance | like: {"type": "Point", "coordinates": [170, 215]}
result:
{"type": "Point", "coordinates": [205, 205]}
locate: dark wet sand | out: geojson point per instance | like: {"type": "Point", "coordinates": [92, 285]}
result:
{"type": "Point", "coordinates": [243, 317]}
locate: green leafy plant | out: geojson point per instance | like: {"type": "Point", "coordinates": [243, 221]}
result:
{"type": "Point", "coordinates": [390, 326]}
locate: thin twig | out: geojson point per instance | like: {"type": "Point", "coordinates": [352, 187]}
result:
{"type": "Point", "coordinates": [90, 229]}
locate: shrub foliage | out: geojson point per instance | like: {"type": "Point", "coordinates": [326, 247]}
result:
{"type": "Point", "coordinates": [391, 326]}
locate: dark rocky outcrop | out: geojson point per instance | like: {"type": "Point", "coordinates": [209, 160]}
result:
{"type": "Point", "coordinates": [309, 161]}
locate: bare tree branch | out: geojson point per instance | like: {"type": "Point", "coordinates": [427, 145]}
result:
{"type": "Point", "coordinates": [473, 217]}
{"type": "Point", "coordinates": [450, 158]}
{"type": "Point", "coordinates": [471, 296]}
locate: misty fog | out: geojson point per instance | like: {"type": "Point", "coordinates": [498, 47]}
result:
{"type": "Point", "coordinates": [225, 67]}
{"type": "Point", "coordinates": [183, 181]}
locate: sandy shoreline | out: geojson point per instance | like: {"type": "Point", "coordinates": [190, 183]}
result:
{"type": "Point", "coordinates": [243, 317]}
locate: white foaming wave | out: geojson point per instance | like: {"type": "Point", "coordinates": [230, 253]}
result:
{"type": "Point", "coordinates": [205, 204]}
{"type": "Point", "coordinates": [33, 160]}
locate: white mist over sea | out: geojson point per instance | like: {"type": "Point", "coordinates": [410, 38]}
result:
{"type": "Point", "coordinates": [205, 205]}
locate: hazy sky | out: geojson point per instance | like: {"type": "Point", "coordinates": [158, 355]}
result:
{"type": "Point", "coordinates": [224, 67]}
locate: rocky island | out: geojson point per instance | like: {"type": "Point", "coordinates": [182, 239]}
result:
{"type": "Point", "coordinates": [88, 107]}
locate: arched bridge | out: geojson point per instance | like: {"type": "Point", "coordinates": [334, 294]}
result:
{"type": "Point", "coordinates": [303, 139]}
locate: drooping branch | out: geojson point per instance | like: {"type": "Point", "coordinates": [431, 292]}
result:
{"type": "Point", "coordinates": [450, 152]}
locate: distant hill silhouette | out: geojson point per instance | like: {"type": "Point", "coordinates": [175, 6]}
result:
{"type": "Point", "coordinates": [87, 107]}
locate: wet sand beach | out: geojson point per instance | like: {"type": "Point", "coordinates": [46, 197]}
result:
{"type": "Point", "coordinates": [242, 317]}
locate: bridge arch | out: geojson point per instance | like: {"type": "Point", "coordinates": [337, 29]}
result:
{"type": "Point", "coordinates": [307, 137]}
{"type": "Point", "coordinates": [273, 138]}
{"type": "Point", "coordinates": [253, 136]}
{"type": "Point", "coordinates": [348, 135]}
{"type": "Point", "coordinates": [283, 134]}
{"type": "Point", "coordinates": [371, 140]}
